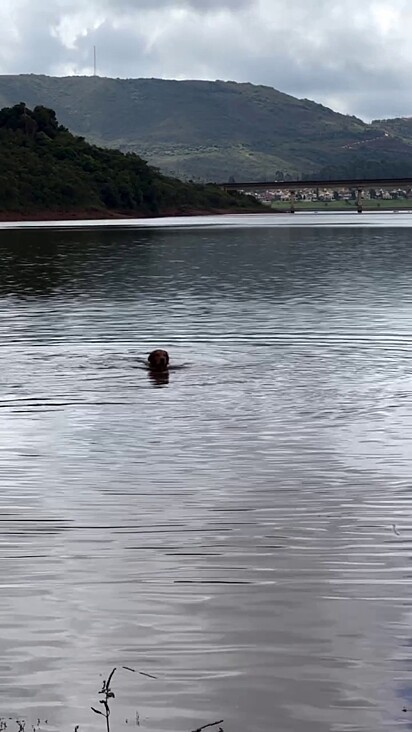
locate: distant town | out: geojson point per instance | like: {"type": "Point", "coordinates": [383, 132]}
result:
{"type": "Point", "coordinates": [325, 196]}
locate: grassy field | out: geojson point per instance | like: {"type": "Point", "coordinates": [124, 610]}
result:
{"type": "Point", "coordinates": [371, 205]}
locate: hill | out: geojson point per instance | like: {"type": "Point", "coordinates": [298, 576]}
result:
{"type": "Point", "coordinates": [398, 126]}
{"type": "Point", "coordinates": [214, 130]}
{"type": "Point", "coordinates": [44, 169]}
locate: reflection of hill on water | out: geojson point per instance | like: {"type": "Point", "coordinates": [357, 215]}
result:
{"type": "Point", "coordinates": [121, 264]}
{"type": "Point", "coordinates": [49, 262]}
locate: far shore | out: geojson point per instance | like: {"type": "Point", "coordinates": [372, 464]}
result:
{"type": "Point", "coordinates": [99, 214]}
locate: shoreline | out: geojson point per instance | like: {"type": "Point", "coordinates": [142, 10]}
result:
{"type": "Point", "coordinates": [98, 214]}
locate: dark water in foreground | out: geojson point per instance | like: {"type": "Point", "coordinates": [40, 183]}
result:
{"type": "Point", "coordinates": [231, 531]}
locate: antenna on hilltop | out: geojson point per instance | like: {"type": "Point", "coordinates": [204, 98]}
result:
{"type": "Point", "coordinates": [94, 61]}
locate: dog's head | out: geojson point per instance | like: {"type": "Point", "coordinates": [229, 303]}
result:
{"type": "Point", "coordinates": [158, 360]}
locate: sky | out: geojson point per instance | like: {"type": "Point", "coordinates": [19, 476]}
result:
{"type": "Point", "coordinates": [352, 55]}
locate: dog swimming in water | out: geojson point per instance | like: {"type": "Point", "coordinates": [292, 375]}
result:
{"type": "Point", "coordinates": [158, 360]}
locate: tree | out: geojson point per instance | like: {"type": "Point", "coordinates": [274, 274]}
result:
{"type": "Point", "coordinates": [44, 167]}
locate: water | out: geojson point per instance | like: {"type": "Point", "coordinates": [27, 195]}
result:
{"type": "Point", "coordinates": [242, 532]}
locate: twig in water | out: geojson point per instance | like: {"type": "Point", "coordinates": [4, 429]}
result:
{"type": "Point", "coordinates": [142, 673]}
{"type": "Point", "coordinates": [206, 726]}
{"type": "Point", "coordinates": [108, 694]}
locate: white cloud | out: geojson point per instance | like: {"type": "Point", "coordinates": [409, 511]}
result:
{"type": "Point", "coordinates": [355, 57]}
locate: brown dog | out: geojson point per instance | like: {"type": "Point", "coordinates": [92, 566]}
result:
{"type": "Point", "coordinates": [158, 360]}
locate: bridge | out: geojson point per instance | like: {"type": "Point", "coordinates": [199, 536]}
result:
{"type": "Point", "coordinates": [301, 185]}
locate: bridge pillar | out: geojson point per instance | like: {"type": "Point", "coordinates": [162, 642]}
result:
{"type": "Point", "coordinates": [359, 200]}
{"type": "Point", "coordinates": [292, 201]}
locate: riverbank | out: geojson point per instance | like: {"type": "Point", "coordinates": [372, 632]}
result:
{"type": "Point", "coordinates": [343, 206]}
{"type": "Point", "coordinates": [99, 214]}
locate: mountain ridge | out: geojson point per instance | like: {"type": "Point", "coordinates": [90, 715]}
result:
{"type": "Point", "coordinates": [214, 130]}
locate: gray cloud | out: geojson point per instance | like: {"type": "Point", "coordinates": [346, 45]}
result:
{"type": "Point", "coordinates": [201, 6]}
{"type": "Point", "coordinates": [355, 57]}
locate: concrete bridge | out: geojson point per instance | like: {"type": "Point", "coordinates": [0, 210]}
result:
{"type": "Point", "coordinates": [293, 186]}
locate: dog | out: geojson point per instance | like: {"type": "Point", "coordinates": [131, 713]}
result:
{"type": "Point", "coordinates": [158, 360]}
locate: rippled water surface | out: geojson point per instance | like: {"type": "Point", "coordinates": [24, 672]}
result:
{"type": "Point", "coordinates": [241, 530]}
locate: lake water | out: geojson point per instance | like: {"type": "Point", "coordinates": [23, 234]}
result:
{"type": "Point", "coordinates": [242, 531]}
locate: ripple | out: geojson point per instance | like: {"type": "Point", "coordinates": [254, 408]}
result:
{"type": "Point", "coordinates": [243, 532]}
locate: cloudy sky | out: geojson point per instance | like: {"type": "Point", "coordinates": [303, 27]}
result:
{"type": "Point", "coordinates": [353, 55]}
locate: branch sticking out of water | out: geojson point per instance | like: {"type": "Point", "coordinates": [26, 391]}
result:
{"type": "Point", "coordinates": [142, 673]}
{"type": "Point", "coordinates": [108, 694]}
{"type": "Point", "coordinates": [206, 726]}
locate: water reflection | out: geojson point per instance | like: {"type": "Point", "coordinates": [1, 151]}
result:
{"type": "Point", "coordinates": [159, 378]}
{"type": "Point", "coordinates": [231, 534]}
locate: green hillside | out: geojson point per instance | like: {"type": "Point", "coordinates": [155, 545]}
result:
{"type": "Point", "coordinates": [211, 130]}
{"type": "Point", "coordinates": [399, 126]}
{"type": "Point", "coordinates": [44, 168]}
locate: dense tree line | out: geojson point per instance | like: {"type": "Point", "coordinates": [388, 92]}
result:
{"type": "Point", "coordinates": [43, 167]}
